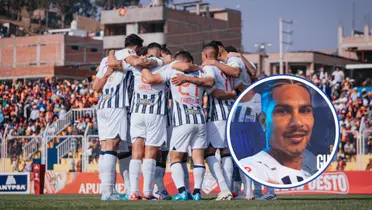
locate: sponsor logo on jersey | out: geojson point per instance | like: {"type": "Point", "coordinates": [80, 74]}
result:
{"type": "Point", "coordinates": [145, 87]}
{"type": "Point", "coordinates": [191, 101]}
{"type": "Point", "coordinates": [192, 111]}
{"type": "Point", "coordinates": [145, 101]}
{"type": "Point", "coordinates": [106, 96]}
{"type": "Point", "coordinates": [194, 73]}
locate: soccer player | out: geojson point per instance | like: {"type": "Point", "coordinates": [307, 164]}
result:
{"type": "Point", "coordinates": [287, 119]}
{"type": "Point", "coordinates": [218, 110]}
{"type": "Point", "coordinates": [148, 110]}
{"type": "Point", "coordinates": [189, 124]}
{"type": "Point", "coordinates": [111, 108]}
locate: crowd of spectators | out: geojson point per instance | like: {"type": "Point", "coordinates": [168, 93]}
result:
{"type": "Point", "coordinates": [28, 107]}
{"type": "Point", "coordinates": [351, 106]}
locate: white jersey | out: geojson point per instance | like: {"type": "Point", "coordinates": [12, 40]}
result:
{"type": "Point", "coordinates": [187, 99]}
{"type": "Point", "coordinates": [248, 111]}
{"type": "Point", "coordinates": [264, 167]}
{"type": "Point", "coordinates": [115, 91]}
{"type": "Point", "coordinates": [148, 99]}
{"type": "Point", "coordinates": [217, 109]}
{"type": "Point", "coordinates": [244, 77]}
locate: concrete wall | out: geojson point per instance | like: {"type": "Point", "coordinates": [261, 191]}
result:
{"type": "Point", "coordinates": [190, 31]}
{"type": "Point", "coordinates": [117, 42]}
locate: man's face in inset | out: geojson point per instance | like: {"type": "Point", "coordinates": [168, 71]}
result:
{"type": "Point", "coordinates": [290, 119]}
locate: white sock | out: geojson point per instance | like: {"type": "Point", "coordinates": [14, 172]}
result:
{"type": "Point", "coordinates": [178, 175]}
{"type": "Point", "coordinates": [148, 172]}
{"type": "Point", "coordinates": [216, 170]}
{"type": "Point", "coordinates": [108, 175]}
{"type": "Point", "coordinates": [159, 178]}
{"type": "Point", "coordinates": [199, 171]}
{"type": "Point", "coordinates": [270, 190]}
{"type": "Point", "coordinates": [228, 171]}
{"type": "Point", "coordinates": [257, 189]}
{"type": "Point", "coordinates": [100, 164]}
{"type": "Point", "coordinates": [186, 171]}
{"type": "Point", "coordinates": [247, 183]}
{"type": "Point", "coordinates": [134, 175]}
{"type": "Point", "coordinates": [124, 172]}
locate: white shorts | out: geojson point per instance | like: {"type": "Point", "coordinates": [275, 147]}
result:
{"type": "Point", "coordinates": [193, 135]}
{"type": "Point", "coordinates": [216, 134]}
{"type": "Point", "coordinates": [151, 127]}
{"type": "Point", "coordinates": [112, 123]}
{"type": "Point", "coordinates": [165, 146]}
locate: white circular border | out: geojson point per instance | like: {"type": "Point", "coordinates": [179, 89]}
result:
{"type": "Point", "coordinates": [330, 105]}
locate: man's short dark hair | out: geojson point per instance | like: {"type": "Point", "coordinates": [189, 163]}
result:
{"type": "Point", "coordinates": [218, 43]}
{"type": "Point", "coordinates": [133, 40]}
{"type": "Point", "coordinates": [141, 51]}
{"type": "Point", "coordinates": [184, 55]}
{"type": "Point", "coordinates": [154, 45]}
{"type": "Point", "coordinates": [231, 49]}
{"type": "Point", "coordinates": [165, 50]}
{"type": "Point", "coordinates": [269, 86]}
{"type": "Point", "coordinates": [212, 46]}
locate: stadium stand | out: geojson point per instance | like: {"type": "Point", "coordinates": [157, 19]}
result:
{"type": "Point", "coordinates": [27, 108]}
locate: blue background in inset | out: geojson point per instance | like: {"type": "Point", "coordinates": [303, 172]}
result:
{"type": "Point", "coordinates": [248, 138]}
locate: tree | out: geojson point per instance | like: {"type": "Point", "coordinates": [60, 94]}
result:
{"type": "Point", "coordinates": [68, 7]}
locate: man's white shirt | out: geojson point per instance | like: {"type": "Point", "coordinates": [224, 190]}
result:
{"type": "Point", "coordinates": [265, 168]}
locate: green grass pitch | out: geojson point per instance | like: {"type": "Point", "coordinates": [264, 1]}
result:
{"type": "Point", "coordinates": [67, 202]}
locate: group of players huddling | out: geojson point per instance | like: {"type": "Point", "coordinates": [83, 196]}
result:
{"type": "Point", "coordinates": [159, 104]}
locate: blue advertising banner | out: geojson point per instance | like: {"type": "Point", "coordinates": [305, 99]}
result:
{"type": "Point", "coordinates": [14, 183]}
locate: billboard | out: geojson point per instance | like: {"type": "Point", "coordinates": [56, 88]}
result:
{"type": "Point", "coordinates": [14, 183]}
{"type": "Point", "coordinates": [348, 182]}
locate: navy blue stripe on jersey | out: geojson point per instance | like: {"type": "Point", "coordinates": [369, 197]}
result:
{"type": "Point", "coordinates": [223, 113]}
{"type": "Point", "coordinates": [159, 103]}
{"type": "Point", "coordinates": [152, 105]}
{"type": "Point", "coordinates": [144, 106]}
{"type": "Point", "coordinates": [202, 115]}
{"type": "Point", "coordinates": [136, 98]}
{"type": "Point", "coordinates": [109, 101]}
{"type": "Point", "coordinates": [179, 114]}
{"type": "Point", "coordinates": [237, 113]}
{"type": "Point", "coordinates": [117, 96]}
{"type": "Point", "coordinates": [186, 114]}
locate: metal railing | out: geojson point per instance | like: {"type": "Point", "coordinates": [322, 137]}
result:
{"type": "Point", "coordinates": [67, 146]}
{"type": "Point", "coordinates": [70, 117]}
{"type": "Point", "coordinates": [4, 149]}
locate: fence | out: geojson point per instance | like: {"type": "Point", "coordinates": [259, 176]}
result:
{"type": "Point", "coordinates": [69, 118]}
{"type": "Point", "coordinates": [68, 145]}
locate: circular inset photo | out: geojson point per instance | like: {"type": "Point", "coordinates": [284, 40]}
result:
{"type": "Point", "coordinates": [281, 131]}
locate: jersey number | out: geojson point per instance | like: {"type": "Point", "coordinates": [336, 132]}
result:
{"type": "Point", "coordinates": [185, 85]}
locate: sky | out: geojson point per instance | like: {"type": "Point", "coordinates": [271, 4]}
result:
{"type": "Point", "coordinates": [314, 26]}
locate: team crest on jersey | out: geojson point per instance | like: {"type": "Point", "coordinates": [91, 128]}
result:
{"type": "Point", "coordinates": [145, 101]}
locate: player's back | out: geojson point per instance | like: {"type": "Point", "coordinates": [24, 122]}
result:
{"type": "Point", "coordinates": [187, 100]}
{"type": "Point", "coordinates": [217, 109]}
{"type": "Point", "coordinates": [148, 99]}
